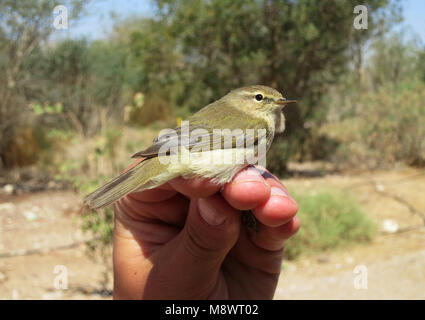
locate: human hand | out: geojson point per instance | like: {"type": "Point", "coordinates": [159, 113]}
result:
{"type": "Point", "coordinates": [184, 240]}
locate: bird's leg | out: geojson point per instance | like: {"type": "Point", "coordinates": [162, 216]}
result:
{"type": "Point", "coordinates": [249, 220]}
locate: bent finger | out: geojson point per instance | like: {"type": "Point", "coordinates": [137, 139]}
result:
{"type": "Point", "coordinates": [247, 190]}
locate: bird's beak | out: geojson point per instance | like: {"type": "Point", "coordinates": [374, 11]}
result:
{"type": "Point", "coordinates": [284, 102]}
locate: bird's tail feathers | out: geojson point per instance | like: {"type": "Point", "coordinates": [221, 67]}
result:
{"type": "Point", "coordinates": [145, 175]}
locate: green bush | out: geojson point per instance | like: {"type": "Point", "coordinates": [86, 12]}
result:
{"type": "Point", "coordinates": [330, 219]}
{"type": "Point", "coordinates": [381, 128]}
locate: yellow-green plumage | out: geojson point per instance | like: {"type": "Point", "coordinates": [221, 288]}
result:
{"type": "Point", "coordinates": [141, 175]}
{"type": "Point", "coordinates": [240, 109]}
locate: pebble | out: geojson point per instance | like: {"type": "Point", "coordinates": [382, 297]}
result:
{"type": "Point", "coordinates": [30, 215]}
{"type": "Point", "coordinates": [389, 226]}
{"type": "Point", "coordinates": [380, 187]}
{"type": "Point", "coordinates": [8, 189]}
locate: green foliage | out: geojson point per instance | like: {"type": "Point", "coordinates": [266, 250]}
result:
{"type": "Point", "coordinates": [89, 79]}
{"type": "Point", "coordinates": [70, 97]}
{"type": "Point", "coordinates": [330, 219]}
{"type": "Point", "coordinates": [24, 26]}
{"type": "Point", "coordinates": [40, 109]}
{"type": "Point", "coordinates": [421, 65]}
{"type": "Point", "coordinates": [373, 116]}
{"type": "Point", "coordinates": [190, 53]}
{"type": "Point", "coordinates": [196, 51]}
{"type": "Point", "coordinates": [278, 156]}
{"type": "Point", "coordinates": [394, 60]}
{"type": "Point", "coordinates": [382, 128]}
{"type": "Point", "coordinates": [101, 224]}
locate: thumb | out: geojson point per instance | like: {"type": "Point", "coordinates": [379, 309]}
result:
{"type": "Point", "coordinates": [211, 230]}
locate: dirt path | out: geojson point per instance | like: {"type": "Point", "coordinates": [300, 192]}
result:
{"type": "Point", "coordinates": [401, 277]}
{"type": "Point", "coordinates": [47, 223]}
{"type": "Point", "coordinates": [393, 266]}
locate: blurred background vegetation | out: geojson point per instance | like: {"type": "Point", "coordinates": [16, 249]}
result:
{"type": "Point", "coordinates": [74, 109]}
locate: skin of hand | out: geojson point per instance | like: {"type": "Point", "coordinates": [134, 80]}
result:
{"type": "Point", "coordinates": [184, 240]}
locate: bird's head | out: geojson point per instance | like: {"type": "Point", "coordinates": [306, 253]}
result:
{"type": "Point", "coordinates": [257, 98]}
{"type": "Point", "coordinates": [260, 102]}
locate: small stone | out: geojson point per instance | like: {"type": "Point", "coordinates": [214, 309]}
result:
{"type": "Point", "coordinates": [389, 226]}
{"type": "Point", "coordinates": [380, 187]}
{"type": "Point", "coordinates": [8, 189]}
{"type": "Point", "coordinates": [30, 215]}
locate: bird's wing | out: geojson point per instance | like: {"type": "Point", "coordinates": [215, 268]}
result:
{"type": "Point", "coordinates": [200, 135]}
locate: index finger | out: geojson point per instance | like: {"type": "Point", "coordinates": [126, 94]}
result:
{"type": "Point", "coordinates": [247, 190]}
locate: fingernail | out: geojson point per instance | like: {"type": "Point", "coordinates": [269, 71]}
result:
{"type": "Point", "coordinates": [275, 191]}
{"type": "Point", "coordinates": [209, 213]}
{"type": "Point", "coordinates": [248, 175]}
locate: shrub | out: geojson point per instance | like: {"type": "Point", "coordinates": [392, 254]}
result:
{"type": "Point", "coordinates": [330, 219]}
{"type": "Point", "coordinates": [381, 128]}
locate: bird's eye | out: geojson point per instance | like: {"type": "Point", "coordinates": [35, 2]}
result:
{"type": "Point", "coordinates": [259, 97]}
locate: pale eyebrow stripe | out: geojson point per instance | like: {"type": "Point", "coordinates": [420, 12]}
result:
{"type": "Point", "coordinates": [253, 93]}
{"type": "Point", "coordinates": [247, 92]}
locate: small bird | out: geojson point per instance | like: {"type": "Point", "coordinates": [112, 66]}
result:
{"type": "Point", "coordinates": [257, 108]}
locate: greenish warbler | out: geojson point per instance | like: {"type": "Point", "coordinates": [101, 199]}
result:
{"type": "Point", "coordinates": [215, 143]}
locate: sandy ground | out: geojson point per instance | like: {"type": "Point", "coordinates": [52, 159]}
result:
{"type": "Point", "coordinates": [41, 245]}
{"type": "Point", "coordinates": [42, 232]}
{"type": "Point", "coordinates": [392, 267]}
